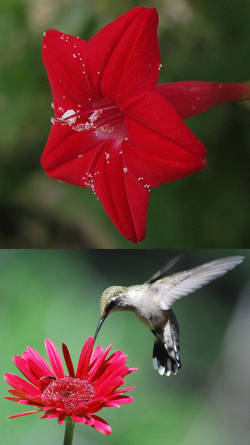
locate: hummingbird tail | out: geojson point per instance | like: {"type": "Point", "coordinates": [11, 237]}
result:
{"type": "Point", "coordinates": [166, 360]}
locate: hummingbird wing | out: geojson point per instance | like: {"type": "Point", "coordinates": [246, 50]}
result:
{"type": "Point", "coordinates": [171, 288]}
{"type": "Point", "coordinates": [163, 271]}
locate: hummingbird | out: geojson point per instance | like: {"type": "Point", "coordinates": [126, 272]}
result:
{"type": "Point", "coordinates": [152, 301]}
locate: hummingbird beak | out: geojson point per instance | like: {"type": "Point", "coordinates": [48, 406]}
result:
{"type": "Point", "coordinates": [99, 326]}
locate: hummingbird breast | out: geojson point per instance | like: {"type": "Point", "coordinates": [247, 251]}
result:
{"type": "Point", "coordinates": [145, 307]}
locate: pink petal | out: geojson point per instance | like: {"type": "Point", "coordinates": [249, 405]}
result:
{"type": "Point", "coordinates": [79, 419]}
{"type": "Point", "coordinates": [193, 97]}
{"type": "Point", "coordinates": [96, 369]}
{"type": "Point", "coordinates": [54, 358]}
{"type": "Point", "coordinates": [21, 385]}
{"type": "Point", "coordinates": [68, 360]}
{"type": "Point", "coordinates": [164, 149]}
{"type": "Point", "coordinates": [95, 404]}
{"type": "Point", "coordinates": [37, 363]}
{"type": "Point", "coordinates": [122, 390]}
{"type": "Point", "coordinates": [23, 366]}
{"type": "Point", "coordinates": [27, 413]}
{"type": "Point", "coordinates": [96, 352]}
{"type": "Point", "coordinates": [113, 357]}
{"type": "Point", "coordinates": [108, 386]}
{"type": "Point", "coordinates": [50, 414]}
{"type": "Point", "coordinates": [13, 399]}
{"type": "Point", "coordinates": [113, 369]}
{"type": "Point", "coordinates": [119, 401]}
{"type": "Point", "coordinates": [124, 56]}
{"type": "Point", "coordinates": [61, 418]}
{"type": "Point", "coordinates": [130, 370]}
{"type": "Point", "coordinates": [85, 357]}
{"type": "Point", "coordinates": [101, 425]}
{"type": "Point", "coordinates": [63, 57]}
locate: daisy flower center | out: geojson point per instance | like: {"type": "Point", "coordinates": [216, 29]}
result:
{"type": "Point", "coordinates": [72, 392]}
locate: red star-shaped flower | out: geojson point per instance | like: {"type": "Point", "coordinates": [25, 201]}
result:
{"type": "Point", "coordinates": [79, 394]}
{"type": "Point", "coordinates": [113, 129]}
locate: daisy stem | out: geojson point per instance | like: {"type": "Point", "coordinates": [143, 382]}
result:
{"type": "Point", "coordinates": [69, 431]}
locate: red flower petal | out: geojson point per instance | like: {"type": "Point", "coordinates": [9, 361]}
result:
{"type": "Point", "coordinates": [165, 149]}
{"type": "Point", "coordinates": [61, 418]}
{"type": "Point", "coordinates": [79, 419]}
{"type": "Point", "coordinates": [96, 352]}
{"type": "Point", "coordinates": [64, 58]}
{"type": "Point", "coordinates": [21, 385]}
{"type": "Point", "coordinates": [100, 425]}
{"type": "Point", "coordinates": [97, 368]}
{"type": "Point", "coordinates": [124, 56]}
{"type": "Point", "coordinates": [68, 360]}
{"type": "Point", "coordinates": [84, 358]}
{"type": "Point", "coordinates": [116, 402]}
{"type": "Point", "coordinates": [54, 358]}
{"type": "Point", "coordinates": [27, 413]}
{"type": "Point", "coordinates": [37, 363]}
{"type": "Point", "coordinates": [23, 366]}
{"type": "Point", "coordinates": [193, 97]}
{"type": "Point", "coordinates": [63, 155]}
{"type": "Point", "coordinates": [122, 196]}
{"type": "Point", "coordinates": [96, 404]}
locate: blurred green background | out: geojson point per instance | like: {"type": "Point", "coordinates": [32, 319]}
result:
{"type": "Point", "coordinates": [199, 39]}
{"type": "Point", "coordinates": [56, 293]}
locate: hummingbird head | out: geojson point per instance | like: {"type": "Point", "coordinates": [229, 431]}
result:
{"type": "Point", "coordinates": [113, 299]}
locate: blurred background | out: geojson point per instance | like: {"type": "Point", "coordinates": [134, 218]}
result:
{"type": "Point", "coordinates": [199, 40]}
{"type": "Point", "coordinates": [56, 294]}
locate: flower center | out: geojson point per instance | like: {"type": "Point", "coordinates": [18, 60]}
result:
{"type": "Point", "coordinates": [74, 393]}
{"type": "Point", "coordinates": [103, 117]}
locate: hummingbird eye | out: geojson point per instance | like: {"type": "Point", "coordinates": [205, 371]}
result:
{"type": "Point", "coordinates": [114, 302]}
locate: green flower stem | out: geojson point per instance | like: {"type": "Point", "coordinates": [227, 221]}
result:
{"type": "Point", "coordinates": [69, 431]}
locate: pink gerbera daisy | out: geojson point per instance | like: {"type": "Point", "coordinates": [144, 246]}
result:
{"type": "Point", "coordinates": [78, 394]}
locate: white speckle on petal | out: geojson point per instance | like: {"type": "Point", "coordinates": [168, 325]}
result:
{"type": "Point", "coordinates": [107, 156]}
{"type": "Point", "coordinates": [125, 169]}
{"type": "Point", "coordinates": [67, 114]}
